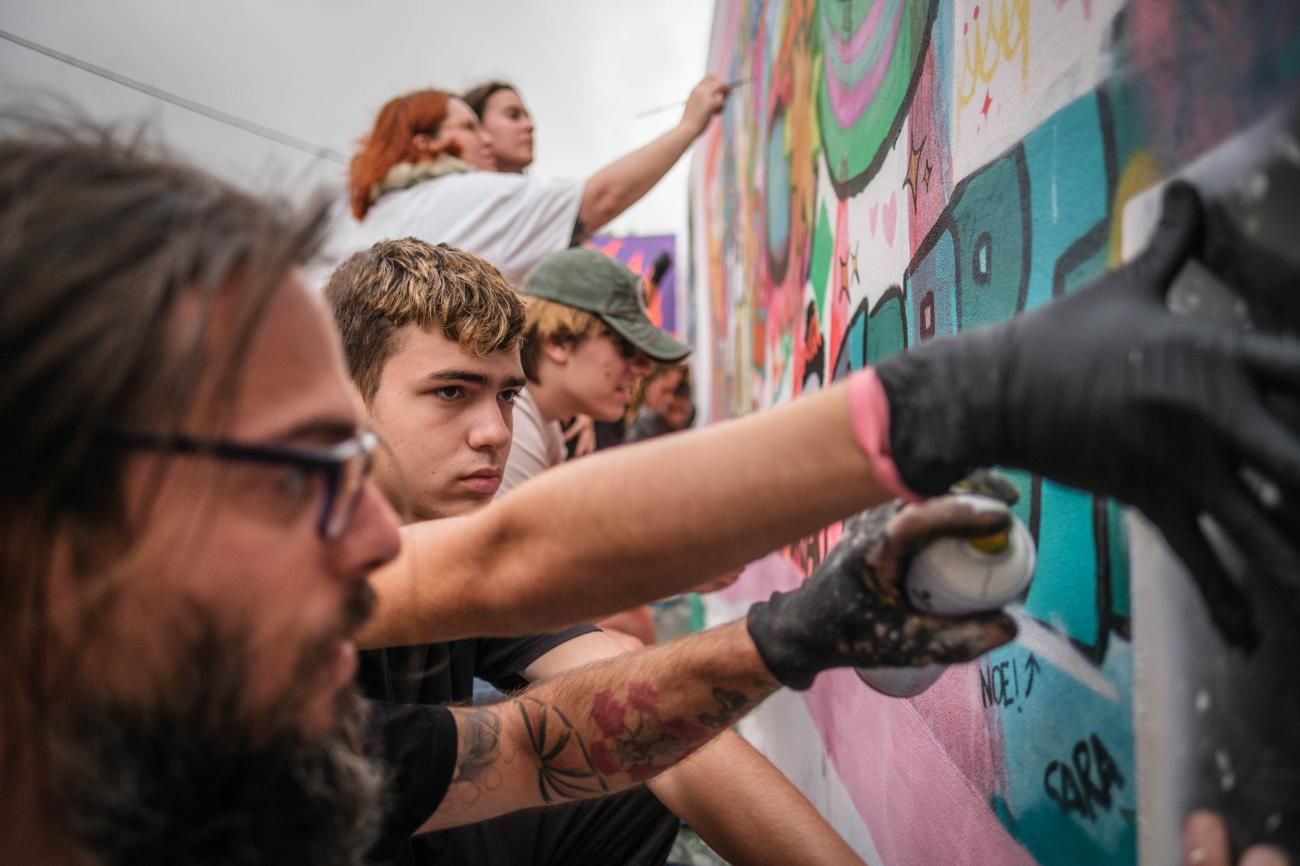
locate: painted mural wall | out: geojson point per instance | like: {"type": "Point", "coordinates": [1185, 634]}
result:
{"type": "Point", "coordinates": [887, 172]}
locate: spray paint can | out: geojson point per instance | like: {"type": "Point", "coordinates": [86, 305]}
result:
{"type": "Point", "coordinates": [954, 576]}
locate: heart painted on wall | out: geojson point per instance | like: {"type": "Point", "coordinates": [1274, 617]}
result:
{"type": "Point", "coordinates": [889, 219]}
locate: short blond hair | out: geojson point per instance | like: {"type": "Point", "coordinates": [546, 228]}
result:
{"type": "Point", "coordinates": [409, 281]}
{"type": "Point", "coordinates": [549, 321]}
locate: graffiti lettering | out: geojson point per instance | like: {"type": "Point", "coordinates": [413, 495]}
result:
{"type": "Point", "coordinates": [1002, 35]}
{"type": "Point", "coordinates": [1002, 684]}
{"type": "Point", "coordinates": [1086, 783]}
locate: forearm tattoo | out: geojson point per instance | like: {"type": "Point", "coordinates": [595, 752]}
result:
{"type": "Point", "coordinates": [631, 737]}
{"type": "Point", "coordinates": [626, 735]}
{"type": "Point", "coordinates": [564, 767]}
{"type": "Point", "coordinates": [479, 753]}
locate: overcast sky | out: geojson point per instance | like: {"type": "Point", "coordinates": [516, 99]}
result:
{"type": "Point", "coordinates": [318, 70]}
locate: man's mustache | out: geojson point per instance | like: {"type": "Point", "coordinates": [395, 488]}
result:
{"type": "Point", "coordinates": [358, 608]}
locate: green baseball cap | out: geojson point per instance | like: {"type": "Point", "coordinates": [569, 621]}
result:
{"type": "Point", "coordinates": [592, 281]}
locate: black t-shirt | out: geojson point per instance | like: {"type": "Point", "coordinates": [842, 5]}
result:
{"type": "Point", "coordinates": [419, 738]}
{"type": "Point", "coordinates": [417, 745]}
{"type": "Point", "coordinates": [444, 673]}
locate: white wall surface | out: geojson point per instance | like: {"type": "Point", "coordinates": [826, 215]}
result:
{"type": "Point", "coordinates": [318, 70]}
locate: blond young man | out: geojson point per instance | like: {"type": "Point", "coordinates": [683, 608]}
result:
{"type": "Point", "coordinates": [587, 345]}
{"type": "Point", "coordinates": [432, 337]}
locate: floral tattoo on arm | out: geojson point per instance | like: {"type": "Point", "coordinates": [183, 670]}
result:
{"type": "Point", "coordinates": [634, 739]}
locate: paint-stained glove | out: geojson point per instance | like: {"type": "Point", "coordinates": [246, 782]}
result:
{"type": "Point", "coordinates": [1107, 390]}
{"type": "Point", "coordinates": [853, 612]}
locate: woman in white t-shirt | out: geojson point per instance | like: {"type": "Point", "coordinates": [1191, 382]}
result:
{"type": "Point", "coordinates": [427, 170]}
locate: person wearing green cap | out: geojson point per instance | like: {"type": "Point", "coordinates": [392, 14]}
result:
{"type": "Point", "coordinates": [587, 341]}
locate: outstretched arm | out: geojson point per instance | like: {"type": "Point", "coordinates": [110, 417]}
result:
{"type": "Point", "coordinates": [619, 185]}
{"type": "Point", "coordinates": [725, 789]}
{"type": "Point", "coordinates": [1105, 389]}
{"type": "Point", "coordinates": [626, 526]}
{"type": "Point", "coordinates": [601, 729]}
{"type": "Point", "coordinates": [618, 723]}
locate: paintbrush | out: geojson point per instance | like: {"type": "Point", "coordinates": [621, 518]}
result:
{"type": "Point", "coordinates": [649, 111]}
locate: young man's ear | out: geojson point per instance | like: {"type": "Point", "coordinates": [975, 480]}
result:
{"type": "Point", "coordinates": [558, 349]}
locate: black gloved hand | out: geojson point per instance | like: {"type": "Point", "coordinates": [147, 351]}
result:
{"type": "Point", "coordinates": [1108, 391]}
{"type": "Point", "coordinates": [853, 611]}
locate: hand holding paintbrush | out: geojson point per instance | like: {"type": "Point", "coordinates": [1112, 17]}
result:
{"type": "Point", "coordinates": [706, 99]}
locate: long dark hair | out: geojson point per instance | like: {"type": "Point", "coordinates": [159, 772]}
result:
{"type": "Point", "coordinates": [101, 241]}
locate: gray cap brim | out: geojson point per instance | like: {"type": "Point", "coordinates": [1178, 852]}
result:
{"type": "Point", "coordinates": [655, 342]}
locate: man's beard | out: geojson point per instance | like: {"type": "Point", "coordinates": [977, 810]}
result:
{"type": "Point", "coordinates": [191, 780]}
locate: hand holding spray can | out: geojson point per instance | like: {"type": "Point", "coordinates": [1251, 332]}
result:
{"type": "Point", "coordinates": [955, 576]}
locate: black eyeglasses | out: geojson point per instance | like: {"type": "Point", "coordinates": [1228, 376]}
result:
{"type": "Point", "coordinates": [345, 466]}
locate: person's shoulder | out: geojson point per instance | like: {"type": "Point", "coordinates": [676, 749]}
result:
{"type": "Point", "coordinates": [526, 409]}
{"type": "Point", "coordinates": [481, 183]}
{"type": "Point", "coordinates": [646, 425]}
{"type": "Point", "coordinates": [510, 185]}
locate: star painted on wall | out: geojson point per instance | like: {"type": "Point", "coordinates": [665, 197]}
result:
{"type": "Point", "coordinates": [913, 169]}
{"type": "Point", "coordinates": [988, 100]}
{"type": "Point", "coordinates": [925, 178]}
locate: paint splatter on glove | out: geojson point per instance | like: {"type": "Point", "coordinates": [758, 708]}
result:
{"type": "Point", "coordinates": [853, 611]}
{"type": "Point", "coordinates": [1108, 391]}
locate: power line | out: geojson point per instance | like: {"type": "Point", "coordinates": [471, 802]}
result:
{"type": "Point", "coordinates": [248, 126]}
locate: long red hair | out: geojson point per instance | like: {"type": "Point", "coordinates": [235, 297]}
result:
{"type": "Point", "coordinates": [393, 140]}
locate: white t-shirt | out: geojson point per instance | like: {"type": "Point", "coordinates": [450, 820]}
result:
{"type": "Point", "coordinates": [538, 445]}
{"type": "Point", "coordinates": [512, 220]}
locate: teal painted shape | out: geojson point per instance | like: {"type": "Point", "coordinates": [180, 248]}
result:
{"type": "Point", "coordinates": [1120, 581]}
{"type": "Point", "coordinates": [1000, 808]}
{"type": "Point", "coordinates": [991, 243]}
{"type": "Point", "coordinates": [1056, 839]}
{"type": "Point", "coordinates": [1068, 195]}
{"type": "Point", "coordinates": [930, 287]}
{"type": "Point", "coordinates": [886, 330]}
{"type": "Point", "coordinates": [1065, 593]}
{"type": "Point", "coordinates": [870, 338]}
{"type": "Point", "coordinates": [1086, 270]}
{"type": "Point", "coordinates": [852, 354]}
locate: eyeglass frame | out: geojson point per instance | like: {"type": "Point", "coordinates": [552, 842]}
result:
{"type": "Point", "coordinates": [330, 462]}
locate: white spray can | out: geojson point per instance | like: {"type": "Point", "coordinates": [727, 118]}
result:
{"type": "Point", "coordinates": [954, 576]}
